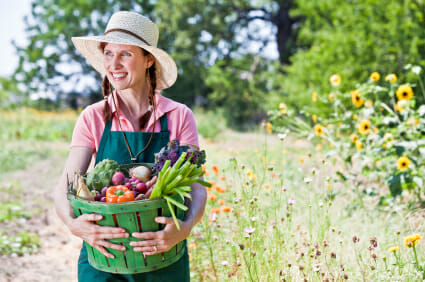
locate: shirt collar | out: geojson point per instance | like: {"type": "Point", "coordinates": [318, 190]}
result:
{"type": "Point", "coordinates": [163, 106]}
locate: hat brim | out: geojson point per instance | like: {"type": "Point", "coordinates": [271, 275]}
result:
{"type": "Point", "coordinates": [88, 46]}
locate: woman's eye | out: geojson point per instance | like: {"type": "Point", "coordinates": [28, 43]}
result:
{"type": "Point", "coordinates": [126, 54]}
{"type": "Point", "coordinates": [107, 53]}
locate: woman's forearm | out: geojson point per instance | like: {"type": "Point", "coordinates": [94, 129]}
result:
{"type": "Point", "coordinates": [197, 205]}
{"type": "Point", "coordinates": [78, 161]}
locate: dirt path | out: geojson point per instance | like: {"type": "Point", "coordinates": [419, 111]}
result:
{"type": "Point", "coordinates": [58, 255]}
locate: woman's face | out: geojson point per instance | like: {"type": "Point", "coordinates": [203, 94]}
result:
{"type": "Point", "coordinates": [126, 66]}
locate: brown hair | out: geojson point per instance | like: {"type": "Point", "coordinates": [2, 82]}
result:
{"type": "Point", "coordinates": [107, 89]}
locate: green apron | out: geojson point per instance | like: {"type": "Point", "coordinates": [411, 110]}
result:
{"type": "Point", "coordinates": [112, 146]}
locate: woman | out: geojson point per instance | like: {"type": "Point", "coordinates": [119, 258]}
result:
{"type": "Point", "coordinates": [130, 125]}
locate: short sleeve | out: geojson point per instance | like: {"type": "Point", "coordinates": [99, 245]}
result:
{"type": "Point", "coordinates": [83, 135]}
{"type": "Point", "coordinates": [188, 133]}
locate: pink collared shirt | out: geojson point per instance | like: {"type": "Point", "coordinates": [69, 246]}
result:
{"type": "Point", "coordinates": [90, 125]}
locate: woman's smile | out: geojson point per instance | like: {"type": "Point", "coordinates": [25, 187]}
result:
{"type": "Point", "coordinates": [117, 76]}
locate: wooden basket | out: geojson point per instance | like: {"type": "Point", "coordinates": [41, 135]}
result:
{"type": "Point", "coordinates": [134, 216]}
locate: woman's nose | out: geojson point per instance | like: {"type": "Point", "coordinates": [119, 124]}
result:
{"type": "Point", "coordinates": [116, 62]}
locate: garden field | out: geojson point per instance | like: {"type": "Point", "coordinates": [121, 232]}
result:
{"type": "Point", "coordinates": [276, 212]}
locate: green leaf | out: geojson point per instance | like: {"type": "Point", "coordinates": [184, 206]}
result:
{"type": "Point", "coordinates": [173, 214]}
{"type": "Point", "coordinates": [177, 204]}
{"type": "Point", "coordinates": [394, 183]}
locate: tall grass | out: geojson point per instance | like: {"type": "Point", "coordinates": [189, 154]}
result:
{"type": "Point", "coordinates": [290, 220]}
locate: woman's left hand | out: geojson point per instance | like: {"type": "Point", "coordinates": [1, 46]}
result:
{"type": "Point", "coordinates": [163, 240]}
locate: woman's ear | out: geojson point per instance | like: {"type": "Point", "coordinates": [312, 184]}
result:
{"type": "Point", "coordinates": [151, 60]}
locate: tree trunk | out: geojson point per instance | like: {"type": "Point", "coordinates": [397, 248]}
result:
{"type": "Point", "coordinates": [286, 33]}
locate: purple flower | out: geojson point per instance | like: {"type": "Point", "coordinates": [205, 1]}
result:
{"type": "Point", "coordinates": [283, 189]}
{"type": "Point", "coordinates": [291, 201]}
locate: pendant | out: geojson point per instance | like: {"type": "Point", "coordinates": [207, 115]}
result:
{"type": "Point", "coordinates": [133, 160]}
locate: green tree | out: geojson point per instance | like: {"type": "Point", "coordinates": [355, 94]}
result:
{"type": "Point", "coordinates": [353, 39]}
{"type": "Point", "coordinates": [196, 33]}
{"type": "Point", "coordinates": [49, 62]}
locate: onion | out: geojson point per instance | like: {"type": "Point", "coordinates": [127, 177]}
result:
{"type": "Point", "coordinates": [141, 172]}
{"type": "Point", "coordinates": [118, 178]}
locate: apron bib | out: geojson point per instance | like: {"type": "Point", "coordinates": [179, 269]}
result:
{"type": "Point", "coordinates": [112, 146]}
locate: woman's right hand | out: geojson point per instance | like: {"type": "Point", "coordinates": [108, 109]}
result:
{"type": "Point", "coordinates": [85, 228]}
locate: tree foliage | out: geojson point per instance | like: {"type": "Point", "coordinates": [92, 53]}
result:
{"type": "Point", "coordinates": [195, 33]}
{"type": "Point", "coordinates": [353, 39]}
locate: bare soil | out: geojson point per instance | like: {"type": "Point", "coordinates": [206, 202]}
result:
{"type": "Point", "coordinates": [58, 255]}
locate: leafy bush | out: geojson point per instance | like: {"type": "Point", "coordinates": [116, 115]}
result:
{"type": "Point", "coordinates": [353, 39]}
{"type": "Point", "coordinates": [377, 130]}
{"type": "Point", "coordinates": [210, 123]}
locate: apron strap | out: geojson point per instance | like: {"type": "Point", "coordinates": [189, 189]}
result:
{"type": "Point", "coordinates": [164, 125]}
{"type": "Point", "coordinates": [103, 140]}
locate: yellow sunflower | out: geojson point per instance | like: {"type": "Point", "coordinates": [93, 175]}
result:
{"type": "Point", "coordinates": [335, 80]}
{"type": "Point", "coordinates": [355, 117]}
{"type": "Point", "coordinates": [356, 98]}
{"type": "Point", "coordinates": [404, 92]}
{"type": "Point", "coordinates": [375, 76]}
{"type": "Point", "coordinates": [364, 126]}
{"type": "Point", "coordinates": [403, 163]}
{"type": "Point", "coordinates": [269, 127]}
{"type": "Point", "coordinates": [314, 96]}
{"type": "Point", "coordinates": [391, 78]}
{"type": "Point", "coordinates": [318, 129]}
{"type": "Point", "coordinates": [359, 145]}
{"type": "Point", "coordinates": [331, 96]}
{"type": "Point", "coordinates": [412, 240]}
{"type": "Point", "coordinates": [354, 137]}
{"type": "Point", "coordinates": [314, 118]}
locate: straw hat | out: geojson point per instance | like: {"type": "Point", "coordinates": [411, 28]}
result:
{"type": "Point", "coordinates": [132, 29]}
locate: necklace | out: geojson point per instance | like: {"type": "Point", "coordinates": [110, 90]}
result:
{"type": "Point", "coordinates": [134, 158]}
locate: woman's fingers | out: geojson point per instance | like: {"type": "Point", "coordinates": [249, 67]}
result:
{"type": "Point", "coordinates": [104, 251]}
{"type": "Point", "coordinates": [120, 232]}
{"type": "Point", "coordinates": [90, 217]}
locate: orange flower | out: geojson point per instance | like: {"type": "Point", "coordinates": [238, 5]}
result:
{"type": "Point", "coordinates": [212, 182]}
{"type": "Point", "coordinates": [204, 169]}
{"type": "Point", "coordinates": [215, 168]}
{"type": "Point", "coordinates": [209, 188]}
{"type": "Point", "coordinates": [220, 202]}
{"type": "Point", "coordinates": [215, 210]}
{"type": "Point", "coordinates": [212, 197]}
{"type": "Point", "coordinates": [223, 177]}
{"type": "Point", "coordinates": [227, 209]}
{"type": "Point", "coordinates": [219, 189]}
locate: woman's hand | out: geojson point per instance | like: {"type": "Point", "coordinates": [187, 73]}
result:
{"type": "Point", "coordinates": [95, 235]}
{"type": "Point", "coordinates": [163, 240]}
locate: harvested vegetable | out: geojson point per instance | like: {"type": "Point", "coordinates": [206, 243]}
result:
{"type": "Point", "coordinates": [141, 172]}
{"type": "Point", "coordinates": [101, 175]}
{"type": "Point", "coordinates": [176, 180]}
{"type": "Point", "coordinates": [173, 151]}
{"type": "Point", "coordinates": [119, 194]}
{"type": "Point", "coordinates": [118, 178]}
{"type": "Point", "coordinates": [81, 187]}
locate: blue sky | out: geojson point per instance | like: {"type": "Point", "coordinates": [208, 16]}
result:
{"type": "Point", "coordinates": [12, 27]}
